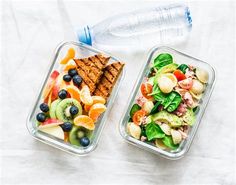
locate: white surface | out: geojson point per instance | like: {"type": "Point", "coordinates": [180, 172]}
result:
{"type": "Point", "coordinates": [31, 31]}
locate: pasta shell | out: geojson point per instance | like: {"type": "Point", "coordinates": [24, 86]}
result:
{"type": "Point", "coordinates": [165, 128]}
{"type": "Point", "coordinates": [148, 105]}
{"type": "Point", "coordinates": [176, 136]}
{"type": "Point", "coordinates": [165, 84]}
{"type": "Point", "coordinates": [196, 96]}
{"type": "Point", "coordinates": [134, 130]}
{"type": "Point", "coordinates": [197, 87]}
{"type": "Point", "coordinates": [202, 75]}
{"type": "Point", "coordinates": [160, 144]}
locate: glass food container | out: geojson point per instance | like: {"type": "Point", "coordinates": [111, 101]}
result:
{"type": "Point", "coordinates": [179, 58]}
{"type": "Point", "coordinates": [82, 51]}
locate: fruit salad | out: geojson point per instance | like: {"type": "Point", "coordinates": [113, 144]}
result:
{"type": "Point", "coordinates": [167, 103]}
{"type": "Point", "coordinates": [75, 96]}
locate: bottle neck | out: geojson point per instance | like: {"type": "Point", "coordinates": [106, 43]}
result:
{"type": "Point", "coordinates": [84, 35]}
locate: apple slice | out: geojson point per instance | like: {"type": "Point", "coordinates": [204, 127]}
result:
{"type": "Point", "coordinates": [51, 122]}
{"type": "Point", "coordinates": [51, 82]}
{"type": "Point", "coordinates": [54, 131]}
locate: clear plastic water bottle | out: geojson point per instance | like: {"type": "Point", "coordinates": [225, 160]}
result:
{"type": "Point", "coordinates": [142, 28]}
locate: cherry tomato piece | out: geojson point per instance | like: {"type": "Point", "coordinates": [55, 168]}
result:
{"type": "Point", "coordinates": [179, 75]}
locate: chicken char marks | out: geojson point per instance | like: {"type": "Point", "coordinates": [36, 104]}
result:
{"type": "Point", "coordinates": [97, 75]}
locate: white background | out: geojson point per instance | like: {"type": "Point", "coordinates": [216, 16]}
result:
{"type": "Point", "coordinates": [30, 33]}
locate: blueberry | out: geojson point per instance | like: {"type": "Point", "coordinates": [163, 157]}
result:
{"type": "Point", "coordinates": [67, 78]}
{"type": "Point", "coordinates": [72, 72]}
{"type": "Point", "coordinates": [44, 107]}
{"type": "Point", "coordinates": [84, 141]}
{"type": "Point", "coordinates": [77, 80]}
{"type": "Point", "coordinates": [66, 126]}
{"type": "Point", "coordinates": [41, 117]}
{"type": "Point", "coordinates": [62, 94]}
{"type": "Point", "coordinates": [74, 110]}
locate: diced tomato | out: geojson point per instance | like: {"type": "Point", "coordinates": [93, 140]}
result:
{"type": "Point", "coordinates": [146, 89]}
{"type": "Point", "coordinates": [138, 116]}
{"type": "Point", "coordinates": [179, 75]}
{"type": "Point", "coordinates": [186, 83]}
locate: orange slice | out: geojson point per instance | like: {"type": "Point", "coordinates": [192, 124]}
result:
{"type": "Point", "coordinates": [50, 99]}
{"type": "Point", "coordinates": [69, 66]}
{"type": "Point", "coordinates": [70, 55]}
{"type": "Point", "coordinates": [84, 121]}
{"type": "Point", "coordinates": [85, 96]}
{"type": "Point", "coordinates": [96, 99]}
{"type": "Point", "coordinates": [96, 110]}
{"type": "Point", "coordinates": [73, 91]}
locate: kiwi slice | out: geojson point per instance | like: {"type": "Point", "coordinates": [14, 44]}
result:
{"type": "Point", "coordinates": [78, 132]}
{"type": "Point", "coordinates": [63, 109]}
{"type": "Point", "coordinates": [53, 107]}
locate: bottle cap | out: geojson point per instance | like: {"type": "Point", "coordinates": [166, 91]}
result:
{"type": "Point", "coordinates": [83, 35]}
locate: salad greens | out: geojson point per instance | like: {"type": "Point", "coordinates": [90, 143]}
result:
{"type": "Point", "coordinates": [162, 60]}
{"type": "Point", "coordinates": [153, 131]}
{"type": "Point", "coordinates": [183, 68]}
{"type": "Point", "coordinates": [173, 106]}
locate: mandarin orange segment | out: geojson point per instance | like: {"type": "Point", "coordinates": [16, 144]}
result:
{"type": "Point", "coordinates": [69, 66]}
{"type": "Point", "coordinates": [85, 96]}
{"type": "Point", "coordinates": [84, 121]}
{"type": "Point", "coordinates": [70, 55]}
{"type": "Point", "coordinates": [96, 110]}
{"type": "Point", "coordinates": [96, 99]}
{"type": "Point", "coordinates": [73, 91]}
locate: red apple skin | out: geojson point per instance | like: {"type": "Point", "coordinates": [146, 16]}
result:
{"type": "Point", "coordinates": [50, 122]}
{"type": "Point", "coordinates": [51, 82]}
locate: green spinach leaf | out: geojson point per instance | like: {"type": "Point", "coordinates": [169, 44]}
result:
{"type": "Point", "coordinates": [169, 99]}
{"type": "Point", "coordinates": [183, 68]}
{"type": "Point", "coordinates": [155, 108]}
{"type": "Point", "coordinates": [174, 103]}
{"type": "Point", "coordinates": [154, 131]}
{"type": "Point", "coordinates": [167, 140]}
{"type": "Point", "coordinates": [162, 60]}
{"type": "Point", "coordinates": [157, 94]}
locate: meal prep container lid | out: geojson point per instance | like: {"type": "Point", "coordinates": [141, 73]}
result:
{"type": "Point", "coordinates": [83, 50]}
{"type": "Point", "coordinates": [179, 58]}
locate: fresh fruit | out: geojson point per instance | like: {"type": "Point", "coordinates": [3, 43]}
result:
{"type": "Point", "coordinates": [41, 117]}
{"type": "Point", "coordinates": [72, 72]}
{"type": "Point", "coordinates": [197, 87]}
{"type": "Point", "coordinates": [66, 137]}
{"type": "Point", "coordinates": [63, 109]}
{"type": "Point", "coordinates": [165, 84]}
{"type": "Point", "coordinates": [54, 131]}
{"type": "Point", "coordinates": [96, 99]}
{"type": "Point", "coordinates": [67, 126]}
{"type": "Point", "coordinates": [78, 132]}
{"type": "Point", "coordinates": [68, 67]}
{"type": "Point", "coordinates": [138, 116]}
{"type": "Point", "coordinates": [49, 99]}
{"type": "Point", "coordinates": [96, 110]}
{"type": "Point", "coordinates": [84, 141]}
{"type": "Point", "coordinates": [62, 94]}
{"type": "Point", "coordinates": [44, 107]}
{"type": "Point", "coordinates": [186, 84]}
{"type": "Point", "coordinates": [52, 110]}
{"type": "Point", "coordinates": [73, 92]}
{"type": "Point", "coordinates": [84, 121]}
{"type": "Point", "coordinates": [77, 80]}
{"type": "Point", "coordinates": [50, 83]}
{"type": "Point", "coordinates": [85, 96]}
{"type": "Point", "coordinates": [74, 110]}
{"type": "Point", "coordinates": [179, 75]}
{"type": "Point", "coordinates": [50, 122]}
{"type": "Point", "coordinates": [134, 109]}
{"type": "Point", "coordinates": [70, 55]}
{"type": "Point", "coordinates": [67, 78]}
{"type": "Point", "coordinates": [146, 88]}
